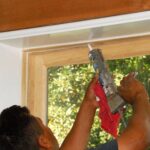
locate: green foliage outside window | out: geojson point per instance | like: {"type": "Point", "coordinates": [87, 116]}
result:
{"type": "Point", "coordinates": [67, 86]}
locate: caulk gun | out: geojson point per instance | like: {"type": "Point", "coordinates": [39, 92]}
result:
{"type": "Point", "coordinates": [115, 101]}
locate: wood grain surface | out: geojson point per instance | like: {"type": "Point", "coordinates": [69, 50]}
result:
{"type": "Point", "coordinates": [21, 14]}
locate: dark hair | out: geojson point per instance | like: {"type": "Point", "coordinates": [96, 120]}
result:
{"type": "Point", "coordinates": [18, 129]}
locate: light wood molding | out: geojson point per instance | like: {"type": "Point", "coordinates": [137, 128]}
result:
{"type": "Point", "coordinates": [36, 63]}
{"type": "Point", "coordinates": [22, 14]}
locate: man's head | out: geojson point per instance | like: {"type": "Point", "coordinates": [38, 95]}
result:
{"type": "Point", "coordinates": [19, 130]}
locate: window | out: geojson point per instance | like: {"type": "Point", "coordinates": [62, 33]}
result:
{"type": "Point", "coordinates": [66, 88]}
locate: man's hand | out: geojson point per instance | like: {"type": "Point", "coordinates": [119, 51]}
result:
{"type": "Point", "coordinates": [137, 134]}
{"type": "Point", "coordinates": [130, 89]}
{"type": "Point", "coordinates": [78, 136]}
{"type": "Point", "coordinates": [90, 94]}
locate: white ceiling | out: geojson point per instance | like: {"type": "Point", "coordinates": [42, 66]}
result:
{"type": "Point", "coordinates": [124, 26]}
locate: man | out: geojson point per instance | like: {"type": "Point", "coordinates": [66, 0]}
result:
{"type": "Point", "coordinates": [19, 130]}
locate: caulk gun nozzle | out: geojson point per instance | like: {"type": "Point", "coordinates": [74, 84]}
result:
{"type": "Point", "coordinates": [90, 47]}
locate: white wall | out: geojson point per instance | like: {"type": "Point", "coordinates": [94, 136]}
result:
{"type": "Point", "coordinates": [10, 76]}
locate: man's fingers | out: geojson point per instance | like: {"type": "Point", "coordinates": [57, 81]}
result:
{"type": "Point", "coordinates": [95, 79]}
{"type": "Point", "coordinates": [121, 89]}
{"type": "Point", "coordinates": [124, 81]}
{"type": "Point", "coordinates": [123, 92]}
{"type": "Point", "coordinates": [127, 80]}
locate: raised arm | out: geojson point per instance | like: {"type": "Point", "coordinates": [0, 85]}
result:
{"type": "Point", "coordinates": [137, 134]}
{"type": "Point", "coordinates": [78, 137]}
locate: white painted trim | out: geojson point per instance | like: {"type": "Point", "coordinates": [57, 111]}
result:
{"type": "Point", "coordinates": [87, 41]}
{"type": "Point", "coordinates": [141, 16]}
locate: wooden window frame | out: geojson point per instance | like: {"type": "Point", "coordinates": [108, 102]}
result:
{"type": "Point", "coordinates": [37, 61]}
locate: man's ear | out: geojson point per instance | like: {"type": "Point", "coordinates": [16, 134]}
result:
{"type": "Point", "coordinates": [43, 142]}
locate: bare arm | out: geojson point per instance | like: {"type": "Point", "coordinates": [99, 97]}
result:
{"type": "Point", "coordinates": [137, 134]}
{"type": "Point", "coordinates": [77, 139]}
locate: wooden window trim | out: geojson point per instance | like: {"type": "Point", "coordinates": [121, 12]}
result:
{"type": "Point", "coordinates": [37, 61]}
